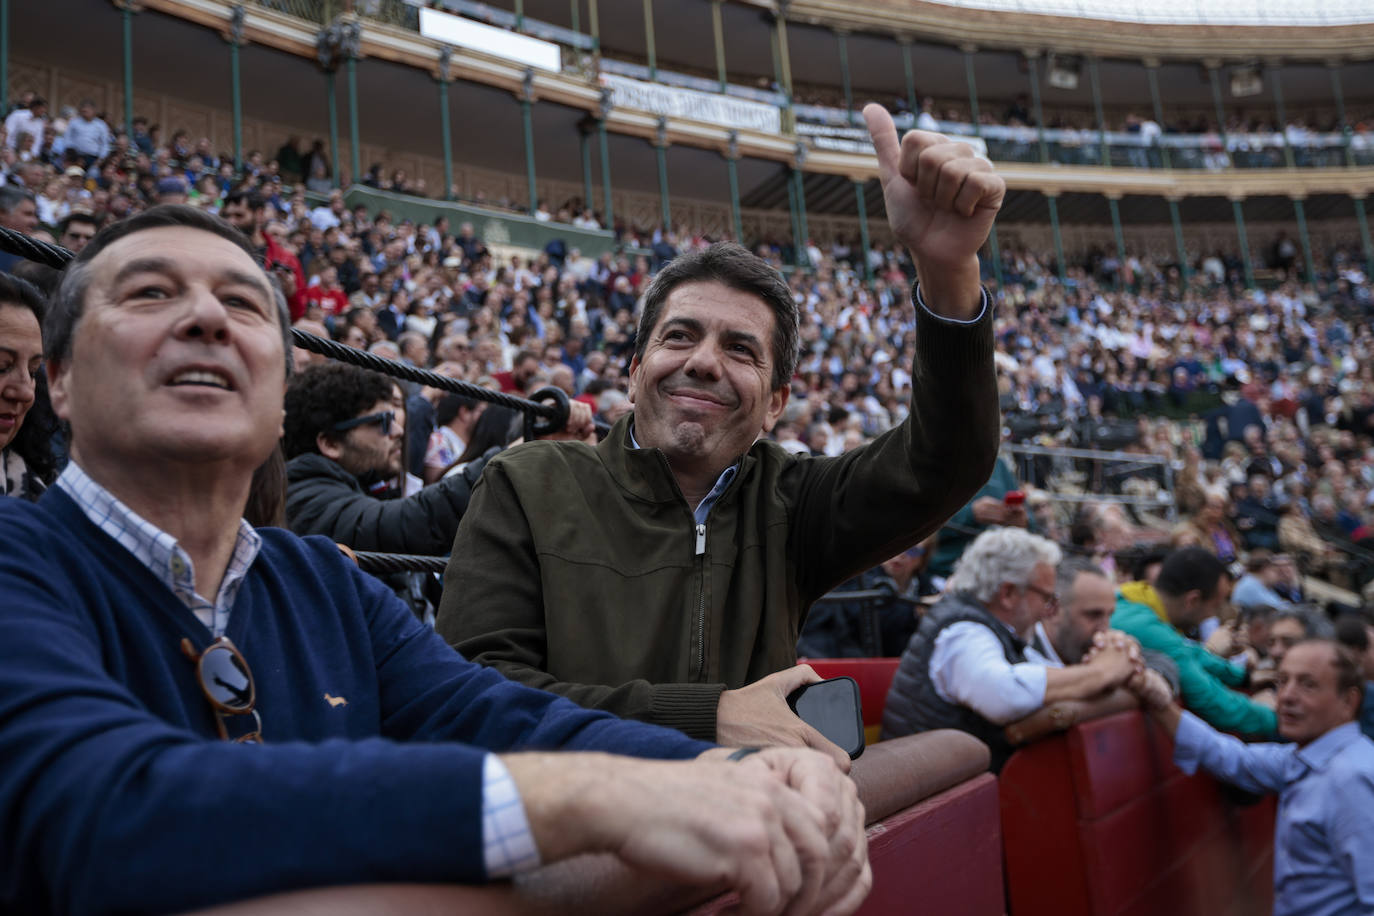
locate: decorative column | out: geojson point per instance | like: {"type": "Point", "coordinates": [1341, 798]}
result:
{"type": "Point", "coordinates": [661, 154]}
{"type": "Point", "coordinates": [1114, 205]}
{"type": "Point", "coordinates": [1337, 93]}
{"type": "Point", "coordinates": [1238, 210]}
{"type": "Point", "coordinates": [864, 245]}
{"type": "Point", "coordinates": [842, 39]}
{"type": "Point", "coordinates": [908, 73]}
{"type": "Point", "coordinates": [731, 155]}
{"type": "Point", "coordinates": [527, 121]}
{"type": "Point", "coordinates": [803, 260]}
{"type": "Point", "coordinates": [596, 30]}
{"type": "Point", "coordinates": [326, 53]}
{"type": "Point", "coordinates": [445, 130]}
{"type": "Point", "coordinates": [1183, 269]}
{"type": "Point", "coordinates": [718, 34]}
{"type": "Point", "coordinates": [351, 45]}
{"type": "Point", "coordinates": [1033, 69]}
{"type": "Point", "coordinates": [784, 64]}
{"type": "Point", "coordinates": [1362, 218]}
{"type": "Point", "coordinates": [5, 55]}
{"type": "Point", "coordinates": [1214, 77]}
{"type": "Point", "coordinates": [1281, 114]}
{"type": "Point", "coordinates": [584, 145]}
{"type": "Point", "coordinates": [971, 80]}
{"type": "Point", "coordinates": [127, 8]}
{"type": "Point", "coordinates": [1152, 74]}
{"type": "Point", "coordinates": [1309, 267]}
{"type": "Point", "coordinates": [1095, 78]}
{"type": "Point", "coordinates": [649, 39]}
{"type": "Point", "coordinates": [604, 110]}
{"type": "Point", "coordinates": [1052, 197]}
{"type": "Point", "coordinates": [235, 37]}
{"type": "Point", "coordinates": [519, 15]}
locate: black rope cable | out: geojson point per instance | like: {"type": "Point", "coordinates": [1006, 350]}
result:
{"type": "Point", "coordinates": [545, 412]}
{"type": "Point", "coordinates": [384, 563]}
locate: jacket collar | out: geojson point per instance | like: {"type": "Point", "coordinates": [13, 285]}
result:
{"type": "Point", "coordinates": [644, 472]}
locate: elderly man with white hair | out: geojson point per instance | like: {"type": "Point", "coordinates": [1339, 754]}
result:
{"type": "Point", "coordinates": [968, 668]}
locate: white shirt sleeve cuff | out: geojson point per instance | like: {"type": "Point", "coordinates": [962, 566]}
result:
{"type": "Point", "coordinates": [507, 843]}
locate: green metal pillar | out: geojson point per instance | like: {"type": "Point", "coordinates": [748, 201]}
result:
{"type": "Point", "coordinates": [843, 40]}
{"type": "Point", "coordinates": [785, 66]}
{"type": "Point", "coordinates": [1033, 68]}
{"type": "Point", "coordinates": [718, 34]}
{"type": "Point", "coordinates": [519, 15]}
{"type": "Point", "coordinates": [527, 121]}
{"type": "Point", "coordinates": [1282, 116]}
{"type": "Point", "coordinates": [5, 56]}
{"type": "Point", "coordinates": [661, 154]}
{"type": "Point", "coordinates": [969, 52]}
{"type": "Point", "coordinates": [334, 153]}
{"type": "Point", "coordinates": [1362, 218]}
{"type": "Point", "coordinates": [1095, 78]}
{"type": "Point", "coordinates": [352, 42]}
{"type": "Point", "coordinates": [864, 245]}
{"type": "Point", "coordinates": [1309, 267]}
{"type": "Point", "coordinates": [1058, 239]}
{"type": "Point", "coordinates": [605, 110]}
{"type": "Point", "coordinates": [576, 10]}
{"type": "Point", "coordinates": [1183, 269]}
{"type": "Point", "coordinates": [236, 19]}
{"type": "Point", "coordinates": [1152, 74]}
{"type": "Point", "coordinates": [732, 154]}
{"type": "Point", "coordinates": [803, 259]}
{"type": "Point", "coordinates": [596, 27]}
{"type": "Point", "coordinates": [445, 129]}
{"type": "Point", "coordinates": [908, 73]}
{"type": "Point", "coordinates": [792, 214]}
{"type": "Point", "coordinates": [584, 145]}
{"type": "Point", "coordinates": [1238, 211]}
{"type": "Point", "coordinates": [1114, 205]}
{"type": "Point", "coordinates": [649, 39]}
{"type": "Point", "coordinates": [1338, 94]}
{"type": "Point", "coordinates": [127, 14]}
{"type": "Point", "coordinates": [1214, 77]}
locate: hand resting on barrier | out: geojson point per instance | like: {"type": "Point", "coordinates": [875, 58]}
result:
{"type": "Point", "coordinates": [782, 827]}
{"type": "Point", "coordinates": [758, 715]}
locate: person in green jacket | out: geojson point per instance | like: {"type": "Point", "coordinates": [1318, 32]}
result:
{"type": "Point", "coordinates": [664, 574]}
{"type": "Point", "coordinates": [1192, 585]}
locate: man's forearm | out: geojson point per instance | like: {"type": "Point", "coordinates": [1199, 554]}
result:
{"type": "Point", "coordinates": [1076, 682]}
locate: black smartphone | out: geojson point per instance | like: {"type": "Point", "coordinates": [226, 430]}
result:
{"type": "Point", "coordinates": [833, 708]}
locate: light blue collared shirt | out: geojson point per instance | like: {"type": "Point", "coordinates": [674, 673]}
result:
{"type": "Point", "coordinates": [1324, 836]}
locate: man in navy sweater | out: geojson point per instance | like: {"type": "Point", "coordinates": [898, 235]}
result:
{"type": "Point", "coordinates": [137, 602]}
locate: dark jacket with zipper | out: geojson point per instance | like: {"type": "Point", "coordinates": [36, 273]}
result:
{"type": "Point", "coordinates": [580, 569]}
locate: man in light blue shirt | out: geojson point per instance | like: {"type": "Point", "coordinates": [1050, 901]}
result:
{"type": "Point", "coordinates": [88, 135]}
{"type": "Point", "coordinates": [1324, 837]}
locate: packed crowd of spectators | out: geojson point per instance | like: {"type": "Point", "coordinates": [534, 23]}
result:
{"type": "Point", "coordinates": [1262, 400]}
{"type": "Point", "coordinates": [1260, 404]}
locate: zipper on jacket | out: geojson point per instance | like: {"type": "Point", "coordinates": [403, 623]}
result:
{"type": "Point", "coordinates": [701, 601]}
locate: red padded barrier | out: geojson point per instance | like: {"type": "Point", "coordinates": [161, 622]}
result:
{"type": "Point", "coordinates": [940, 856]}
{"type": "Point", "coordinates": [1098, 822]}
{"type": "Point", "coordinates": [874, 676]}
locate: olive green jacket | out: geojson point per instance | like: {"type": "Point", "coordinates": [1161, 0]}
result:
{"type": "Point", "coordinates": [580, 570]}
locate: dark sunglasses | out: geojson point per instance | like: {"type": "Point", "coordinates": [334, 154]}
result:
{"type": "Point", "coordinates": [383, 419]}
{"type": "Point", "coordinates": [227, 683]}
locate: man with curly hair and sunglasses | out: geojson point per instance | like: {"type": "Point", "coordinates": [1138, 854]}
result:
{"type": "Point", "coordinates": [194, 711]}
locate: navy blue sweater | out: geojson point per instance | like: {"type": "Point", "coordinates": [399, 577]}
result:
{"type": "Point", "coordinates": [116, 794]}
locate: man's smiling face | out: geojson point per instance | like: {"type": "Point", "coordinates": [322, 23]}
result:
{"type": "Point", "coordinates": [703, 389]}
